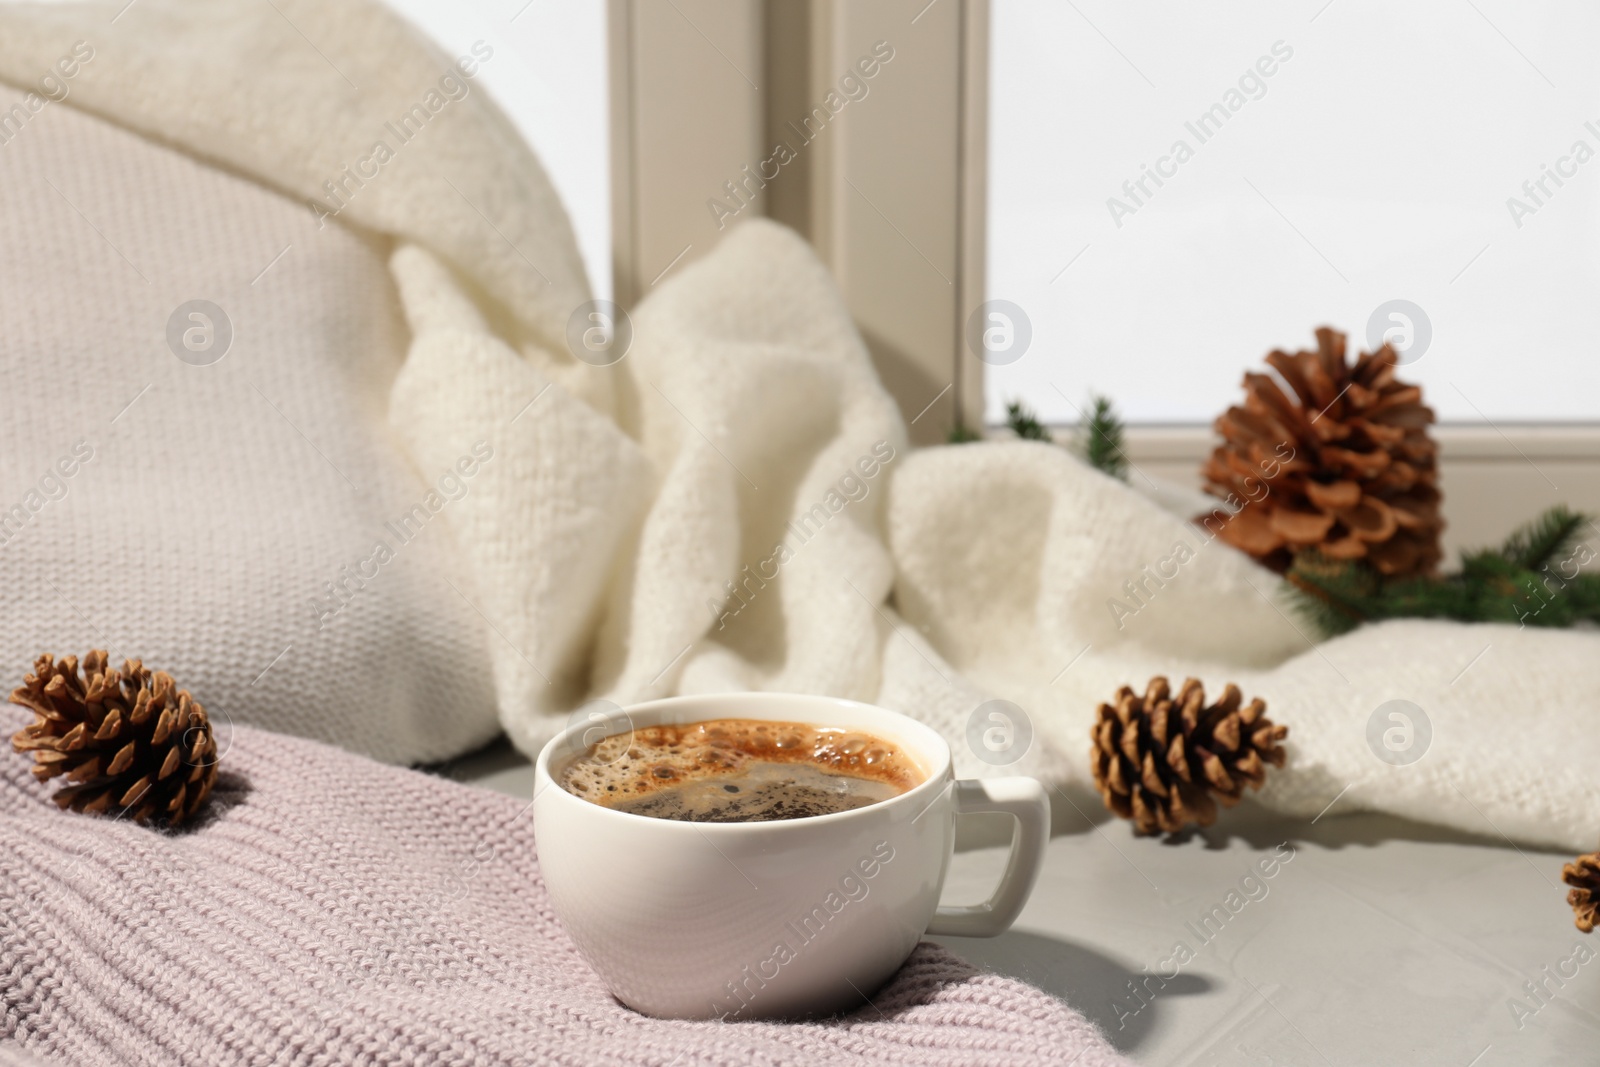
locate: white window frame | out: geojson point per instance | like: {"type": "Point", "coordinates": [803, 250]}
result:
{"type": "Point", "coordinates": [701, 88]}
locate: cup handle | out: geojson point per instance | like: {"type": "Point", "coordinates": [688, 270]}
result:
{"type": "Point", "coordinates": [1025, 800]}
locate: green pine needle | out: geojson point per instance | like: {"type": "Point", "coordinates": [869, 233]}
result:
{"type": "Point", "coordinates": [1334, 598]}
{"type": "Point", "coordinates": [1553, 534]}
{"type": "Point", "coordinates": [960, 435]}
{"type": "Point", "coordinates": [1533, 579]}
{"type": "Point", "coordinates": [1101, 440]}
{"type": "Point", "coordinates": [1025, 424]}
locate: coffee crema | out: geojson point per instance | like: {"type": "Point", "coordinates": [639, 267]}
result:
{"type": "Point", "coordinates": [740, 770]}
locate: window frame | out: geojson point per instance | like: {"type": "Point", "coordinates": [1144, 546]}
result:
{"type": "Point", "coordinates": [926, 130]}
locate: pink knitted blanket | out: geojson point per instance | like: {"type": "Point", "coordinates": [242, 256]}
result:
{"type": "Point", "coordinates": [332, 910]}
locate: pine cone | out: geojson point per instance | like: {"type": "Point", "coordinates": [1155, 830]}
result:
{"type": "Point", "coordinates": [127, 739]}
{"type": "Point", "coordinates": [1583, 874]}
{"type": "Point", "coordinates": [1165, 761]}
{"type": "Point", "coordinates": [1347, 462]}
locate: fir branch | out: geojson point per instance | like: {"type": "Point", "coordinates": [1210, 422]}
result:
{"type": "Point", "coordinates": [1101, 439]}
{"type": "Point", "coordinates": [1584, 596]}
{"type": "Point", "coordinates": [1553, 534]}
{"type": "Point", "coordinates": [1025, 424]}
{"type": "Point", "coordinates": [1327, 611]}
{"type": "Point", "coordinates": [1530, 580]}
{"type": "Point", "coordinates": [1336, 597]}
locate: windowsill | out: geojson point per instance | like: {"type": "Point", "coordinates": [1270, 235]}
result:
{"type": "Point", "coordinates": [1460, 440]}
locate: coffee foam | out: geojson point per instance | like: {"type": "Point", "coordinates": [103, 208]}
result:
{"type": "Point", "coordinates": [776, 770]}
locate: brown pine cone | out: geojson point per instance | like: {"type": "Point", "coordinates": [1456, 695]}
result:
{"type": "Point", "coordinates": [1165, 761]}
{"type": "Point", "coordinates": [1583, 874]}
{"type": "Point", "coordinates": [1346, 460]}
{"type": "Point", "coordinates": [127, 740]}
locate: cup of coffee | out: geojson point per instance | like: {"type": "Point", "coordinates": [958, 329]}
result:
{"type": "Point", "coordinates": [763, 855]}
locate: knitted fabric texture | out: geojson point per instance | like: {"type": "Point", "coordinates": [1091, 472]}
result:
{"type": "Point", "coordinates": [249, 494]}
{"type": "Point", "coordinates": [331, 910]}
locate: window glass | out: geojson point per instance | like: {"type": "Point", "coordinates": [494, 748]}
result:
{"type": "Point", "coordinates": [548, 72]}
{"type": "Point", "coordinates": [1175, 191]}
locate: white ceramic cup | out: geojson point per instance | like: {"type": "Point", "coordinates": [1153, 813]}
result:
{"type": "Point", "coordinates": [770, 919]}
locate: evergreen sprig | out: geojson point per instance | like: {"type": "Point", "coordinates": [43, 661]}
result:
{"type": "Point", "coordinates": [1025, 424]}
{"type": "Point", "coordinates": [1555, 533]}
{"type": "Point", "coordinates": [1532, 579]}
{"type": "Point", "coordinates": [1100, 440]}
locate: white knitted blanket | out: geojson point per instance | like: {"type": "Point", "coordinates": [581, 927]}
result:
{"type": "Point", "coordinates": [733, 504]}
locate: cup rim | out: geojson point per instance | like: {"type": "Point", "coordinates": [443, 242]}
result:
{"type": "Point", "coordinates": [930, 749]}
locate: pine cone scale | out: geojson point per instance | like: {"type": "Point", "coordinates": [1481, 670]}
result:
{"type": "Point", "coordinates": [1370, 520]}
{"type": "Point", "coordinates": [135, 792]}
{"type": "Point", "coordinates": [83, 772]}
{"type": "Point", "coordinates": [1161, 724]}
{"type": "Point", "coordinates": [39, 707]}
{"type": "Point", "coordinates": [110, 726]}
{"type": "Point", "coordinates": [1311, 385]}
{"type": "Point", "coordinates": [28, 741]}
{"type": "Point", "coordinates": [48, 763]}
{"type": "Point", "coordinates": [1226, 734]}
{"type": "Point", "coordinates": [1301, 527]}
{"type": "Point", "coordinates": [123, 759]}
{"type": "Point", "coordinates": [1178, 759]}
{"type": "Point", "coordinates": [1341, 494]}
{"type": "Point", "coordinates": [1251, 531]}
{"type": "Point", "coordinates": [1151, 779]}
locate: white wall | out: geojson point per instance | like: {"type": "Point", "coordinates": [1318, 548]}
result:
{"type": "Point", "coordinates": [548, 73]}
{"type": "Point", "coordinates": [1375, 165]}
